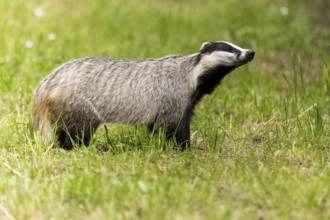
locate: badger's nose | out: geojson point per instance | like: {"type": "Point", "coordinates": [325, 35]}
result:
{"type": "Point", "coordinates": [250, 54]}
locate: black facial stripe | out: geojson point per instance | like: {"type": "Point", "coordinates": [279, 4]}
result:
{"type": "Point", "coordinates": [219, 46]}
{"type": "Point", "coordinates": [226, 47]}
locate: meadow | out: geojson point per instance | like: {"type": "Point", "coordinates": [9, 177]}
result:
{"type": "Point", "coordinates": [260, 141]}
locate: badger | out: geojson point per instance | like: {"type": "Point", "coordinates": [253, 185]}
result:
{"type": "Point", "coordinates": [71, 102]}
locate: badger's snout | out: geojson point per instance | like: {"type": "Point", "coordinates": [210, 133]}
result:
{"type": "Point", "coordinates": [249, 54]}
{"type": "Point", "coordinates": [245, 56]}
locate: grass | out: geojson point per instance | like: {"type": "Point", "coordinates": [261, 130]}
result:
{"type": "Point", "coordinates": [260, 141]}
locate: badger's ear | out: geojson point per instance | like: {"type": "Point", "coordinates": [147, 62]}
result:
{"type": "Point", "coordinates": [206, 47]}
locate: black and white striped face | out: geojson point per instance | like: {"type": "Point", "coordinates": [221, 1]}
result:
{"type": "Point", "coordinates": [225, 54]}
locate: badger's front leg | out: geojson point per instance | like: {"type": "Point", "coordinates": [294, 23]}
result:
{"type": "Point", "coordinates": [181, 133]}
{"type": "Point", "coordinates": [182, 137]}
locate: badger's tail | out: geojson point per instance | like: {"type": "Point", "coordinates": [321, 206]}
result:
{"type": "Point", "coordinates": [42, 121]}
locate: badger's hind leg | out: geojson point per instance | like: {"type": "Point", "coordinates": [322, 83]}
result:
{"type": "Point", "coordinates": [79, 133]}
{"type": "Point", "coordinates": [76, 125]}
{"type": "Point", "coordinates": [73, 122]}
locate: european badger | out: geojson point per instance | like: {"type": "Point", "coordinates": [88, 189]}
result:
{"type": "Point", "coordinates": [80, 95]}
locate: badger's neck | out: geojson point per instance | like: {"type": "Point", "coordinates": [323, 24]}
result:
{"type": "Point", "coordinates": [205, 78]}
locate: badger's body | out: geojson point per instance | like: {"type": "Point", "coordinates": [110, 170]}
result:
{"type": "Point", "coordinates": [80, 95]}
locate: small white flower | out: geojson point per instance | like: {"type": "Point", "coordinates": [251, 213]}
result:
{"type": "Point", "coordinates": [29, 44]}
{"type": "Point", "coordinates": [39, 12]}
{"type": "Point", "coordinates": [51, 36]}
{"type": "Point", "coordinates": [284, 11]}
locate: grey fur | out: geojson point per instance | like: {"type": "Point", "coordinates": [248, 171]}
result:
{"type": "Point", "coordinates": [80, 95]}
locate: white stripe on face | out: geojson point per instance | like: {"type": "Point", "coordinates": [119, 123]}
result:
{"type": "Point", "coordinates": [233, 45]}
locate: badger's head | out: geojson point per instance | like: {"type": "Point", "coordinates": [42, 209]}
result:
{"type": "Point", "coordinates": [224, 54]}
{"type": "Point", "coordinates": [217, 59]}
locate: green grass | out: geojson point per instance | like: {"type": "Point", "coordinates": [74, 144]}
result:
{"type": "Point", "coordinates": [260, 142]}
